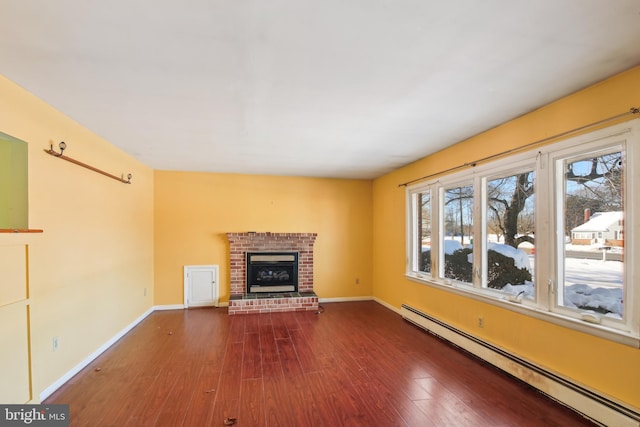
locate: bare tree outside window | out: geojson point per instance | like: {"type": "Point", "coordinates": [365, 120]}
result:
{"type": "Point", "coordinates": [549, 229]}
{"type": "Point", "coordinates": [511, 208]}
{"type": "Point", "coordinates": [424, 231]}
{"type": "Point", "coordinates": [458, 206]}
{"type": "Point", "coordinates": [458, 234]}
{"type": "Point", "coordinates": [510, 222]}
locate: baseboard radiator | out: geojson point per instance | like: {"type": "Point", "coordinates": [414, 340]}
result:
{"type": "Point", "coordinates": [585, 401]}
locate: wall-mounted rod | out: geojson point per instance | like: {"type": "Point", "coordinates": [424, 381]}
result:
{"type": "Point", "coordinates": [62, 146]}
{"type": "Point", "coordinates": [632, 110]}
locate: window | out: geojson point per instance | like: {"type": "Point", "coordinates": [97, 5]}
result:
{"type": "Point", "coordinates": [425, 231]}
{"type": "Point", "coordinates": [456, 239]}
{"type": "Point", "coordinates": [509, 235]}
{"type": "Point", "coordinates": [592, 188]}
{"type": "Point", "coordinates": [421, 236]}
{"type": "Point", "coordinates": [541, 232]}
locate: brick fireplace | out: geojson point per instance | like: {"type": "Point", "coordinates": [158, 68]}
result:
{"type": "Point", "coordinates": [243, 302]}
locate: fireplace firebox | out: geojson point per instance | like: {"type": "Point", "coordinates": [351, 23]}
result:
{"type": "Point", "coordinates": [272, 272]}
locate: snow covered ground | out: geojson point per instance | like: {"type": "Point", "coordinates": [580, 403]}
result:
{"type": "Point", "coordinates": [589, 283]}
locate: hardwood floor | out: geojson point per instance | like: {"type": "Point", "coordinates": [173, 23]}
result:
{"type": "Point", "coordinates": [355, 364]}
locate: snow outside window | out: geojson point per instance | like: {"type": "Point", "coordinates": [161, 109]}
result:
{"type": "Point", "coordinates": [553, 228]}
{"type": "Point", "coordinates": [509, 250]}
{"type": "Point", "coordinates": [591, 273]}
{"type": "Point", "coordinates": [424, 231]}
{"type": "Point", "coordinates": [456, 246]}
{"type": "Point", "coordinates": [419, 242]}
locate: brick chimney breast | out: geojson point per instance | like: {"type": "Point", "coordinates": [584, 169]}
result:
{"type": "Point", "coordinates": [241, 243]}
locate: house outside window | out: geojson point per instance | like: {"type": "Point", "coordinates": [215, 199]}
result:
{"type": "Point", "coordinates": [594, 179]}
{"type": "Point", "coordinates": [543, 231]}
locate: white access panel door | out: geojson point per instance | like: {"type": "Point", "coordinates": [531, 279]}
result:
{"type": "Point", "coordinates": [200, 285]}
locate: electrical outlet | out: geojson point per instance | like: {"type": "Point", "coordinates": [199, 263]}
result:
{"type": "Point", "coordinates": [481, 322]}
{"type": "Point", "coordinates": [145, 292]}
{"type": "Point", "coordinates": [55, 343]}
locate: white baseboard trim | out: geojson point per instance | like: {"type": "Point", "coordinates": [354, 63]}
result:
{"type": "Point", "coordinates": [66, 377]}
{"type": "Point", "coordinates": [387, 305]}
{"type": "Point", "coordinates": [578, 397]}
{"type": "Point", "coordinates": [345, 299]}
{"type": "Point", "coordinates": [182, 306]}
{"type": "Point", "coordinates": [168, 307]}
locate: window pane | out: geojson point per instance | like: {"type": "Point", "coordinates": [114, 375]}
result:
{"type": "Point", "coordinates": [424, 231]}
{"type": "Point", "coordinates": [510, 234]}
{"type": "Point", "coordinates": [593, 256]}
{"type": "Point", "coordinates": [457, 240]}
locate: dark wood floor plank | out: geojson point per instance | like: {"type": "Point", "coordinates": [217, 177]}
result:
{"type": "Point", "coordinates": [341, 402]}
{"type": "Point", "coordinates": [104, 384]}
{"type": "Point", "coordinates": [236, 328]}
{"type": "Point", "coordinates": [307, 357]}
{"type": "Point", "coordinates": [147, 412]}
{"type": "Point", "coordinates": [232, 369]}
{"type": "Point", "coordinates": [131, 398]}
{"type": "Point", "coordinates": [268, 346]}
{"type": "Point", "coordinates": [289, 358]}
{"type": "Point", "coordinates": [378, 409]}
{"type": "Point", "coordinates": [252, 404]}
{"type": "Point", "coordinates": [225, 407]}
{"type": "Point", "coordinates": [354, 364]}
{"type": "Point", "coordinates": [279, 410]}
{"type": "Point", "coordinates": [173, 411]}
{"type": "Point", "coordinates": [305, 410]}
{"type": "Point", "coordinates": [252, 322]}
{"type": "Point", "coordinates": [280, 324]}
{"type": "Point", "coordinates": [198, 410]}
{"type": "Point", "coordinates": [251, 356]}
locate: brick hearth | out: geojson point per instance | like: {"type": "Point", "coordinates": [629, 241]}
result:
{"type": "Point", "coordinates": [242, 303]}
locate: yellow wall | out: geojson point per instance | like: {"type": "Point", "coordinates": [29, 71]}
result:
{"type": "Point", "coordinates": [87, 271]}
{"type": "Point", "coordinates": [611, 368]}
{"type": "Point", "coordinates": [194, 211]}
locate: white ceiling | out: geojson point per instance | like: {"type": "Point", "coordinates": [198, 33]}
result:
{"type": "Point", "coordinates": [331, 88]}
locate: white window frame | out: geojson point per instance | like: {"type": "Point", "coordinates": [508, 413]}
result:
{"type": "Point", "coordinates": [515, 167]}
{"type": "Point", "coordinates": [412, 241]}
{"type": "Point", "coordinates": [543, 161]}
{"type": "Point", "coordinates": [596, 147]}
{"type": "Point", "coordinates": [441, 233]}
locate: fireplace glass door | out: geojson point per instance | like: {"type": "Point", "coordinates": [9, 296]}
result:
{"type": "Point", "coordinates": [272, 272]}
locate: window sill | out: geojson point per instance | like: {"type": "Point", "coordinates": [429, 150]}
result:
{"type": "Point", "coordinates": [615, 335]}
{"type": "Point", "coordinates": [20, 230]}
